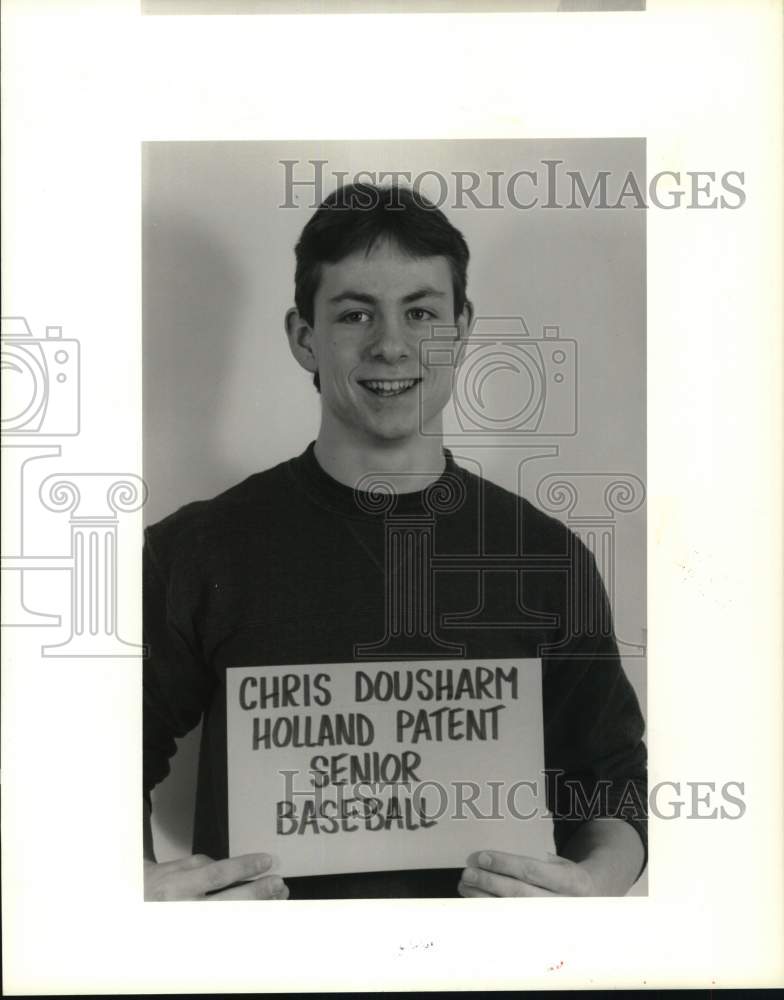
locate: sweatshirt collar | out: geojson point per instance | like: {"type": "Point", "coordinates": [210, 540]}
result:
{"type": "Point", "coordinates": [327, 492]}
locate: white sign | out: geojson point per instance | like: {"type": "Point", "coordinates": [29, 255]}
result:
{"type": "Point", "coordinates": [356, 767]}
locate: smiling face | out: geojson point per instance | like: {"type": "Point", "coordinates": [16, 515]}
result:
{"type": "Point", "coordinates": [371, 313]}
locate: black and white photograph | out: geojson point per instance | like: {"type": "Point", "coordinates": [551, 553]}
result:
{"type": "Point", "coordinates": [393, 621]}
{"type": "Point", "coordinates": [391, 448]}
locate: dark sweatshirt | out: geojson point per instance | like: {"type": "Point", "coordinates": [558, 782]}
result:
{"type": "Point", "coordinates": [292, 567]}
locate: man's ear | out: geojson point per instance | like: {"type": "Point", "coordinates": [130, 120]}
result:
{"type": "Point", "coordinates": [464, 323]}
{"type": "Point", "coordinates": [300, 337]}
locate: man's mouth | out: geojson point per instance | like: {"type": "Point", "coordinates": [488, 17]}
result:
{"type": "Point", "coordinates": [389, 387]}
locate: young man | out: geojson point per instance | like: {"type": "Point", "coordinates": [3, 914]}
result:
{"type": "Point", "coordinates": [291, 566]}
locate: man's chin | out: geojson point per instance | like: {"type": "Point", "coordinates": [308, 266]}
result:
{"type": "Point", "coordinates": [391, 437]}
{"type": "Point", "coordinates": [392, 433]}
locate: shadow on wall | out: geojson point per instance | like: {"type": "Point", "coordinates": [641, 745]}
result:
{"type": "Point", "coordinates": [173, 801]}
{"type": "Point", "coordinates": [193, 294]}
{"type": "Point", "coordinates": [194, 291]}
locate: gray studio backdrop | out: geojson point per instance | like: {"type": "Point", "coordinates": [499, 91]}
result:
{"type": "Point", "coordinates": [223, 398]}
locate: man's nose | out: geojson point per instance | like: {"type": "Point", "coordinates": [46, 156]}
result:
{"type": "Point", "coordinates": [389, 342]}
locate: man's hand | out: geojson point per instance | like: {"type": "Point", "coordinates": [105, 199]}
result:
{"type": "Point", "coordinates": [495, 873]}
{"type": "Point", "coordinates": [603, 858]}
{"type": "Point", "coordinates": [199, 877]}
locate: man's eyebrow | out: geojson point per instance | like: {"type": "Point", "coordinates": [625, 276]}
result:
{"type": "Point", "coordinates": [349, 295]}
{"type": "Point", "coordinates": [424, 293]}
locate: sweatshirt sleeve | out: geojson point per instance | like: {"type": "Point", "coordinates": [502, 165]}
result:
{"type": "Point", "coordinates": [594, 749]}
{"type": "Point", "coordinates": [177, 685]}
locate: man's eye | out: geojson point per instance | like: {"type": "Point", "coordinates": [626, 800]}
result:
{"type": "Point", "coordinates": [355, 316]}
{"type": "Point", "coordinates": [419, 315]}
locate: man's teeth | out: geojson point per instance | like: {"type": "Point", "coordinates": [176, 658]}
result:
{"type": "Point", "coordinates": [390, 386]}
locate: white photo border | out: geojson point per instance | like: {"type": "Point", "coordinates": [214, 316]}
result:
{"type": "Point", "coordinates": [85, 83]}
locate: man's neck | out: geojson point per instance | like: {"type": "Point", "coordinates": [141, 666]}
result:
{"type": "Point", "coordinates": [411, 466]}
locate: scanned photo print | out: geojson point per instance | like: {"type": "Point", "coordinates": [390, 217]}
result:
{"type": "Point", "coordinates": [391, 444]}
{"type": "Point", "coordinates": [394, 591]}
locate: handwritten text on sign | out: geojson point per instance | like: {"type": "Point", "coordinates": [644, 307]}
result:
{"type": "Point", "coordinates": [372, 767]}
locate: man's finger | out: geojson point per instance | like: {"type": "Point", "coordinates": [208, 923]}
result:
{"type": "Point", "coordinates": [500, 885]}
{"type": "Point", "coordinates": [221, 874]}
{"type": "Point", "coordinates": [181, 864]}
{"type": "Point", "coordinates": [558, 876]}
{"type": "Point", "coordinates": [267, 887]}
{"type": "Point", "coordinates": [469, 893]}
{"type": "Point", "coordinates": [186, 864]}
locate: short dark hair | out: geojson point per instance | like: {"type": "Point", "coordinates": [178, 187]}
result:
{"type": "Point", "coordinates": [355, 217]}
